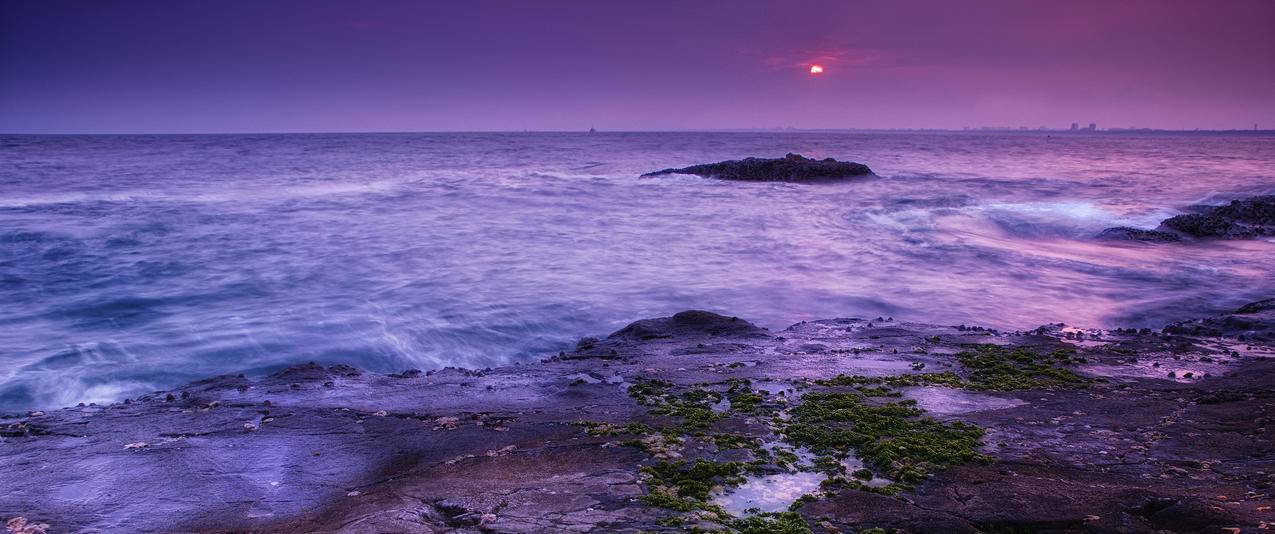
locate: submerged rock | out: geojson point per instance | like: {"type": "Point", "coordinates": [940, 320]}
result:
{"type": "Point", "coordinates": [1241, 219]}
{"type": "Point", "coordinates": [1254, 321]}
{"type": "Point", "coordinates": [790, 168]}
{"type": "Point", "coordinates": [1138, 234]}
{"type": "Point", "coordinates": [1257, 307]}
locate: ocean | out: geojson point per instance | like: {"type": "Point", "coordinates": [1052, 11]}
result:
{"type": "Point", "coordinates": [130, 264]}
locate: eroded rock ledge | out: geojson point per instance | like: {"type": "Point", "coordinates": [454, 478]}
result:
{"type": "Point", "coordinates": [914, 427]}
{"type": "Point", "coordinates": [790, 168]}
{"type": "Point", "coordinates": [1241, 219]}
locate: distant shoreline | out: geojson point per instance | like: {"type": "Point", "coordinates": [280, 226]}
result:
{"type": "Point", "coordinates": [973, 131]}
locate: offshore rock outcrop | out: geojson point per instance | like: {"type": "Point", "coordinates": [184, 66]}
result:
{"type": "Point", "coordinates": [1241, 219]}
{"type": "Point", "coordinates": [790, 168]}
{"type": "Point", "coordinates": [915, 427]}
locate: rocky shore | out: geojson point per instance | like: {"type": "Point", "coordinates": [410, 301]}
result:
{"type": "Point", "coordinates": [695, 421]}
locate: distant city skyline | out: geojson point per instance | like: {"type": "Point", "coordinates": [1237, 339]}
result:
{"type": "Point", "coordinates": [322, 66]}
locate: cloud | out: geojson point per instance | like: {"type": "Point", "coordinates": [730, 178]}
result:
{"type": "Point", "coordinates": [826, 56]}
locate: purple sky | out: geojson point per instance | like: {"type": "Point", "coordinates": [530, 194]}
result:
{"type": "Point", "coordinates": [175, 66]}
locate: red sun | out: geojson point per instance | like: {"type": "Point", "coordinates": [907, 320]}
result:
{"type": "Point", "coordinates": [816, 69]}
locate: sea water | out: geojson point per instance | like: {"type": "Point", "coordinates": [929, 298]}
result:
{"type": "Point", "coordinates": [134, 263]}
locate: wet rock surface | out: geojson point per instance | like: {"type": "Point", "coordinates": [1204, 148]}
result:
{"type": "Point", "coordinates": [1252, 322]}
{"type": "Point", "coordinates": [1241, 219]}
{"type": "Point", "coordinates": [1076, 430]}
{"type": "Point", "coordinates": [1125, 233]}
{"type": "Point", "coordinates": [790, 168]}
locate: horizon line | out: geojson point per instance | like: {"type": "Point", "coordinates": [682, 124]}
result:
{"type": "Point", "coordinates": [972, 129]}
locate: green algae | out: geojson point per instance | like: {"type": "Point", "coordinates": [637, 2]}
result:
{"type": "Point", "coordinates": [789, 522]}
{"type": "Point", "coordinates": [735, 441]}
{"type": "Point", "coordinates": [801, 501]}
{"type": "Point", "coordinates": [997, 368]}
{"type": "Point", "coordinates": [649, 391]}
{"type": "Point", "coordinates": [694, 406]}
{"type": "Point", "coordinates": [786, 459]}
{"type": "Point", "coordinates": [878, 391]}
{"type": "Point", "coordinates": [599, 428]}
{"type": "Point", "coordinates": [896, 438]}
{"type": "Point", "coordinates": [744, 400]}
{"type": "Point", "coordinates": [694, 481]}
{"type": "Point", "coordinates": [686, 486]}
{"type": "Point", "coordinates": [986, 368]}
{"type": "Point", "coordinates": [893, 436]}
{"type": "Point", "coordinates": [946, 378]}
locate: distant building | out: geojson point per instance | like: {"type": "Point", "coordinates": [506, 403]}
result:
{"type": "Point", "coordinates": [1092, 126]}
{"type": "Point", "coordinates": [1075, 126]}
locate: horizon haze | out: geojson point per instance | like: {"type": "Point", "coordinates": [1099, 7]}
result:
{"type": "Point", "coordinates": [178, 67]}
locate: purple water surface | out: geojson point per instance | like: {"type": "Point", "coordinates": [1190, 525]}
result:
{"type": "Point", "coordinates": [133, 263]}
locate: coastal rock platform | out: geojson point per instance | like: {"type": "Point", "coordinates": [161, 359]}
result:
{"type": "Point", "coordinates": [670, 423]}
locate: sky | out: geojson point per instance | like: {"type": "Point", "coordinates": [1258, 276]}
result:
{"type": "Point", "coordinates": [109, 66]}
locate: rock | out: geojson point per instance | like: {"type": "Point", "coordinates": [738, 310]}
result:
{"type": "Point", "coordinates": [1199, 225]}
{"type": "Point", "coordinates": [790, 168]}
{"type": "Point", "coordinates": [446, 423]}
{"type": "Point", "coordinates": [1254, 321]}
{"type": "Point", "coordinates": [1241, 219]}
{"type": "Point", "coordinates": [314, 372]}
{"type": "Point", "coordinates": [1256, 307]}
{"type": "Point", "coordinates": [687, 323]}
{"type": "Point", "coordinates": [21, 525]}
{"type": "Point", "coordinates": [1125, 233]}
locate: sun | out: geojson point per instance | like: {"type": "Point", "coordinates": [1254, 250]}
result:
{"type": "Point", "coordinates": [816, 69]}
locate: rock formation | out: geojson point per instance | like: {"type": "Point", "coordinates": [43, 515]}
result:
{"type": "Point", "coordinates": [790, 168]}
{"type": "Point", "coordinates": [1241, 219]}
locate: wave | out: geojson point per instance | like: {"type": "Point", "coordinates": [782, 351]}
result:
{"type": "Point", "coordinates": [231, 193]}
{"type": "Point", "coordinates": [1064, 219]}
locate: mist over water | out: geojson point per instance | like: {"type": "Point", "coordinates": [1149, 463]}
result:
{"type": "Point", "coordinates": [134, 263]}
